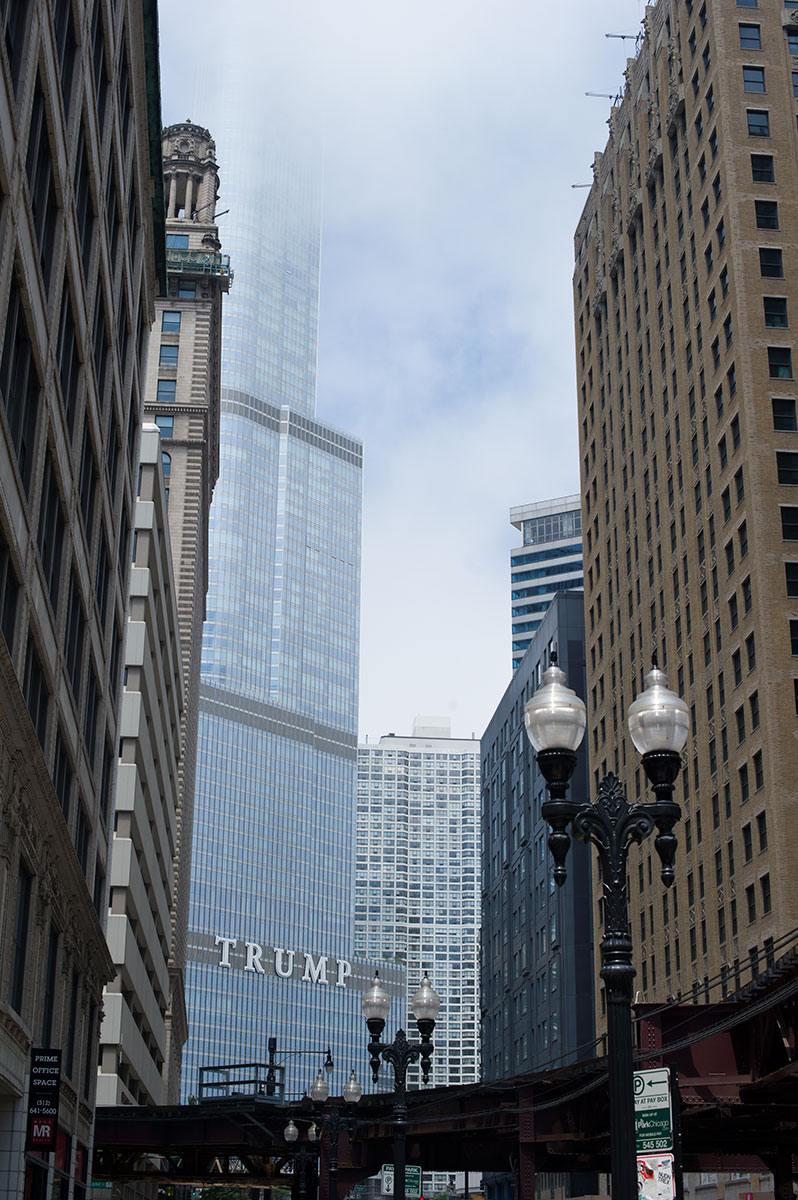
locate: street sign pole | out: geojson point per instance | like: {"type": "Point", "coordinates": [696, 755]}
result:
{"type": "Point", "coordinates": [676, 1114]}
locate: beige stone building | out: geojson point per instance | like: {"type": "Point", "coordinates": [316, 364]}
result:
{"type": "Point", "coordinates": [183, 400]}
{"type": "Point", "coordinates": [79, 268]}
{"type": "Point", "coordinates": [684, 295]}
{"type": "Point", "coordinates": [133, 1035]}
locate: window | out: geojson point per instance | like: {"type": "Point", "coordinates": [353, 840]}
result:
{"type": "Point", "coordinates": [706, 56]}
{"type": "Point", "coordinates": [789, 523]}
{"type": "Point", "coordinates": [717, 189]}
{"type": "Point", "coordinates": [37, 697]}
{"type": "Point", "coordinates": [19, 951]}
{"type": "Point", "coordinates": [19, 384]}
{"type": "Point", "coordinates": [775, 312]}
{"type": "Point", "coordinates": [742, 534]}
{"type": "Point", "coordinates": [787, 466]}
{"type": "Point", "coordinates": [179, 241]}
{"type": "Point", "coordinates": [187, 288]}
{"type": "Point", "coordinates": [795, 84]}
{"type": "Point", "coordinates": [166, 391]}
{"type": "Point", "coordinates": [730, 558]}
{"type": "Point", "coordinates": [750, 37]}
{"type": "Point", "coordinates": [754, 81]}
{"type": "Point", "coordinates": [784, 414]}
{"type": "Point", "coordinates": [780, 362]}
{"type": "Point", "coordinates": [759, 771]}
{"type": "Point", "coordinates": [762, 168]}
{"type": "Point", "coordinates": [745, 789]}
{"type": "Point", "coordinates": [767, 214]}
{"type": "Point", "coordinates": [740, 718]}
{"type": "Point", "coordinates": [746, 3]}
{"type": "Point", "coordinates": [170, 321]}
{"type": "Point", "coordinates": [51, 531]}
{"type": "Point", "coordinates": [737, 667]}
{"type": "Point", "coordinates": [168, 356]}
{"type": "Point", "coordinates": [750, 900]}
{"type": "Point", "coordinates": [727, 331]}
{"type": "Point", "coordinates": [770, 262]}
{"type": "Point", "coordinates": [764, 885]}
{"type": "Point", "coordinates": [750, 647]}
{"type": "Point", "coordinates": [792, 42]}
{"type": "Point", "coordinates": [791, 572]}
{"type": "Point", "coordinates": [758, 122]}
{"type": "Point", "coordinates": [794, 651]}
{"type": "Point", "coordinates": [39, 168]}
{"type": "Point", "coordinates": [9, 594]}
{"type": "Point", "coordinates": [166, 425]}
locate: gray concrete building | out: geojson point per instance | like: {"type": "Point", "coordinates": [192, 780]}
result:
{"type": "Point", "coordinates": [537, 961]}
{"type": "Point", "coordinates": [82, 190]}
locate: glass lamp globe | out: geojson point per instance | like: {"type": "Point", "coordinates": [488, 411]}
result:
{"type": "Point", "coordinates": [352, 1089]}
{"type": "Point", "coordinates": [319, 1089]}
{"type": "Point", "coordinates": [555, 717]}
{"type": "Point", "coordinates": [426, 1003]}
{"type": "Point", "coordinates": [290, 1133]}
{"type": "Point", "coordinates": [313, 1132]}
{"type": "Point", "coordinates": [376, 1001]}
{"type": "Point", "coordinates": [658, 719]}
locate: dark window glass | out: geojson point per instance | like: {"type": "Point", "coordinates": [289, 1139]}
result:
{"type": "Point", "coordinates": [168, 356]}
{"type": "Point", "coordinates": [51, 531]}
{"type": "Point", "coordinates": [75, 630]}
{"type": "Point", "coordinates": [762, 168]}
{"type": "Point", "coordinates": [187, 289]}
{"type": "Point", "coordinates": [780, 362]}
{"type": "Point", "coordinates": [39, 168]}
{"type": "Point", "coordinates": [19, 947]}
{"type": "Point", "coordinates": [770, 262]}
{"type": "Point", "coordinates": [37, 697]}
{"type": "Point", "coordinates": [784, 413]}
{"type": "Point", "coordinates": [166, 425]}
{"type": "Point", "coordinates": [62, 774]}
{"type": "Point", "coordinates": [753, 81]}
{"type": "Point", "coordinates": [19, 384]}
{"type": "Point", "coordinates": [775, 312]}
{"type": "Point", "coordinates": [767, 214]}
{"type": "Point", "coordinates": [68, 359]}
{"type": "Point", "coordinates": [750, 37]}
{"type": "Point", "coordinates": [50, 981]}
{"type": "Point", "coordinates": [789, 522]}
{"type": "Point", "coordinates": [791, 572]}
{"type": "Point", "coordinates": [758, 122]}
{"type": "Point", "coordinates": [787, 466]}
{"type": "Point", "coordinates": [9, 593]}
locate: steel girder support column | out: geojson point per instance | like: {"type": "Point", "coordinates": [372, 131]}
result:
{"type": "Point", "coordinates": [526, 1146]}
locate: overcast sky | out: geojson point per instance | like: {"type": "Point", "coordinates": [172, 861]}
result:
{"type": "Point", "coordinates": [452, 135]}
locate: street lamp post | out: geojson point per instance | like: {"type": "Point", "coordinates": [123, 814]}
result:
{"type": "Point", "coordinates": [400, 1053]}
{"type": "Point", "coordinates": [303, 1160]}
{"type": "Point", "coordinates": [658, 721]}
{"type": "Point", "coordinates": [334, 1120]}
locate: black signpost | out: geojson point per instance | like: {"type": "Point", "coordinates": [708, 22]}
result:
{"type": "Point", "coordinates": [45, 1087]}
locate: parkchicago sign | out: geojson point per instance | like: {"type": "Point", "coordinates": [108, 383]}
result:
{"type": "Point", "coordinates": [287, 964]}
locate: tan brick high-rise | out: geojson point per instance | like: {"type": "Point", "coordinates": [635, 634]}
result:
{"type": "Point", "coordinates": [685, 288]}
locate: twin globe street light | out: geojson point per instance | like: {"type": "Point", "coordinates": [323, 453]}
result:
{"type": "Point", "coordinates": [659, 722]}
{"type": "Point", "coordinates": [332, 1120]}
{"type": "Point", "coordinates": [400, 1053]}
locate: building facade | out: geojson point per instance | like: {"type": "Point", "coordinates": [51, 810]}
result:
{"type": "Point", "coordinates": [549, 561]}
{"type": "Point", "coordinates": [537, 965]}
{"type": "Point", "coordinates": [183, 398]}
{"type": "Point", "coordinates": [133, 1033]}
{"type": "Point", "coordinates": [417, 878]}
{"type": "Point", "coordinates": [687, 411]}
{"type": "Point", "coordinates": [80, 154]}
{"type": "Point", "coordinates": [274, 820]}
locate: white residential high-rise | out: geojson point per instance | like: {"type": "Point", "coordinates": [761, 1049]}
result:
{"type": "Point", "coordinates": [417, 884]}
{"type": "Point", "coordinates": [549, 561]}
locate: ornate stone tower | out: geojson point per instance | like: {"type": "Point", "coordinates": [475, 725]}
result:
{"type": "Point", "coordinates": [182, 398]}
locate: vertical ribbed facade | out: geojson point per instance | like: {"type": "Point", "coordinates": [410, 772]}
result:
{"type": "Point", "coordinates": [549, 561]}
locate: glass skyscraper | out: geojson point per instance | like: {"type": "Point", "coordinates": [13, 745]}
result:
{"type": "Point", "coordinates": [270, 945]}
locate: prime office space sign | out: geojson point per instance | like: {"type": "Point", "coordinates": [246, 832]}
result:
{"type": "Point", "coordinates": [286, 964]}
{"type": "Point", "coordinates": [43, 1094]}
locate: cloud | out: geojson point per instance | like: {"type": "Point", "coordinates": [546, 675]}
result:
{"type": "Point", "coordinates": [452, 134]}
